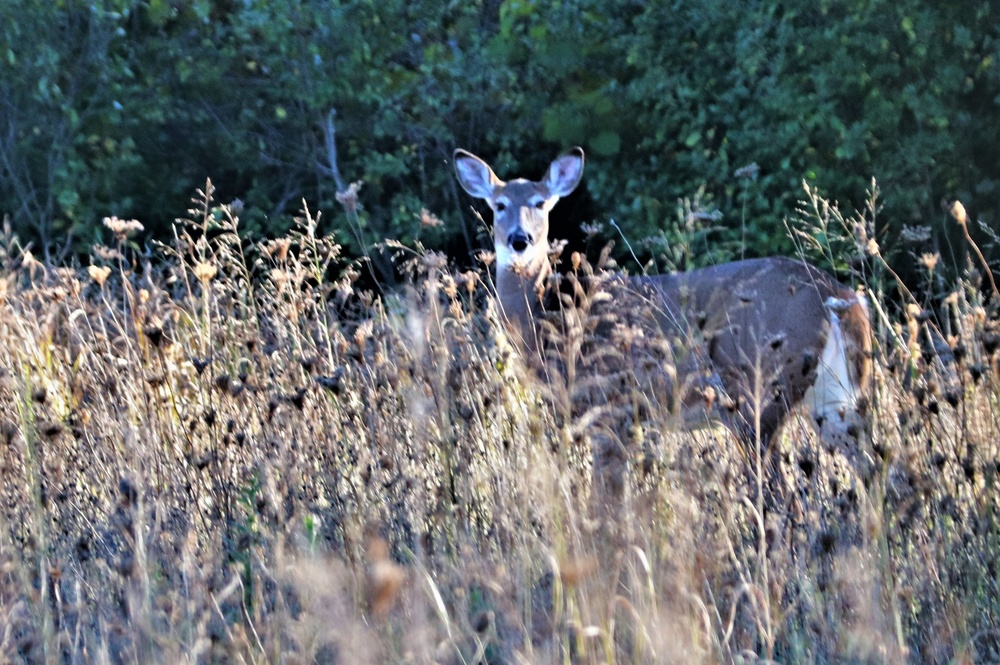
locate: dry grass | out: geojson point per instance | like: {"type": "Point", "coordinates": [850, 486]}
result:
{"type": "Point", "coordinates": [222, 453]}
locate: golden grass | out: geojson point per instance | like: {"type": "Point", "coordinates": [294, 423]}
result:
{"type": "Point", "coordinates": [226, 453]}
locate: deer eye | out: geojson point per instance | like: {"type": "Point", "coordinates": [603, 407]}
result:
{"type": "Point", "coordinates": [500, 206]}
{"type": "Point", "coordinates": [540, 205]}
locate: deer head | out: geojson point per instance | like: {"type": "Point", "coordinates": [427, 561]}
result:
{"type": "Point", "coordinates": [520, 207]}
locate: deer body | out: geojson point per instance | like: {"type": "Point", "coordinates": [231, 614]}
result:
{"type": "Point", "coordinates": [773, 333]}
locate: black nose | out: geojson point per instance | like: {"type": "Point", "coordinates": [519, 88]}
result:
{"type": "Point", "coordinates": [519, 240]}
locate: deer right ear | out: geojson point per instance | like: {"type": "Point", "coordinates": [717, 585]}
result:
{"type": "Point", "coordinates": [475, 175]}
{"type": "Point", "coordinates": [565, 173]}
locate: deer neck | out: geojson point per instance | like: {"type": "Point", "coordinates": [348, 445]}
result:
{"type": "Point", "coordinates": [518, 291]}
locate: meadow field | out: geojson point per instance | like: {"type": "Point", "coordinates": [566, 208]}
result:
{"type": "Point", "coordinates": [223, 451]}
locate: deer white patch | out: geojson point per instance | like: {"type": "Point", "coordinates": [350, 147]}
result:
{"type": "Point", "coordinates": [834, 397]}
{"type": "Point", "coordinates": [508, 259]}
{"type": "Point", "coordinates": [505, 256]}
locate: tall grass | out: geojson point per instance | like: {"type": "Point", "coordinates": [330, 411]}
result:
{"type": "Point", "coordinates": [223, 452]}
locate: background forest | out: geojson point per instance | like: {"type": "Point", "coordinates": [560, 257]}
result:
{"type": "Point", "coordinates": [123, 108]}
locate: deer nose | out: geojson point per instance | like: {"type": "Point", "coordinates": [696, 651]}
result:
{"type": "Point", "coordinates": [518, 241]}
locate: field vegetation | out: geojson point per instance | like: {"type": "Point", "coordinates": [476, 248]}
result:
{"type": "Point", "coordinates": [223, 451]}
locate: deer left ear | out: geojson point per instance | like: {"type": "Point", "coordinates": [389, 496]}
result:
{"type": "Point", "coordinates": [475, 175]}
{"type": "Point", "coordinates": [565, 173]}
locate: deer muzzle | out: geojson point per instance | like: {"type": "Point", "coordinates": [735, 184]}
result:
{"type": "Point", "coordinates": [519, 241]}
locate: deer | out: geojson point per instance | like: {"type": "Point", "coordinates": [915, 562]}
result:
{"type": "Point", "coordinates": [773, 334]}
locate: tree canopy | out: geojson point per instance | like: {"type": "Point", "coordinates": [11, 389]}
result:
{"type": "Point", "coordinates": [120, 107]}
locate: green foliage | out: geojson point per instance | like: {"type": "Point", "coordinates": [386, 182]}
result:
{"type": "Point", "coordinates": [120, 107]}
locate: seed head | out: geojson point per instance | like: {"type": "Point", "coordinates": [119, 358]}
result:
{"type": "Point", "coordinates": [449, 286]}
{"type": "Point", "coordinates": [122, 228]}
{"type": "Point", "coordinates": [99, 274]}
{"type": "Point", "coordinates": [861, 233]}
{"type": "Point", "coordinates": [470, 278]}
{"type": "Point", "coordinates": [349, 197]}
{"type": "Point", "coordinates": [205, 271]}
{"type": "Point", "coordinates": [930, 260]}
{"type": "Point", "coordinates": [957, 211]}
{"type": "Point", "coordinates": [278, 249]}
{"type": "Point", "coordinates": [281, 279]}
{"type": "Point", "coordinates": [430, 220]}
{"type": "Point", "coordinates": [486, 257]}
{"type": "Point", "coordinates": [434, 261]}
{"type": "Point", "coordinates": [154, 333]}
{"type": "Point", "coordinates": [108, 254]}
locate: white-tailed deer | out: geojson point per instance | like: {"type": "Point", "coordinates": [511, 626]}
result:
{"type": "Point", "coordinates": [774, 333]}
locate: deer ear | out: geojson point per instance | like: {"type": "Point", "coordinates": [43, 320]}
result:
{"type": "Point", "coordinates": [475, 175]}
{"type": "Point", "coordinates": [565, 173]}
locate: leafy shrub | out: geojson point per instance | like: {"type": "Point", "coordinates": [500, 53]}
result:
{"type": "Point", "coordinates": [121, 107]}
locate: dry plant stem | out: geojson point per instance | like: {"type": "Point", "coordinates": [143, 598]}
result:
{"type": "Point", "coordinates": [32, 468]}
{"type": "Point", "coordinates": [982, 259]}
{"type": "Point", "coordinates": [206, 317]}
{"type": "Point", "coordinates": [318, 270]}
{"type": "Point", "coordinates": [234, 240]}
{"type": "Point", "coordinates": [764, 458]}
{"type": "Point", "coordinates": [888, 571]}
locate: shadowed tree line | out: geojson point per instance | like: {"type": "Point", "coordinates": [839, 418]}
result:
{"type": "Point", "coordinates": [123, 108]}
